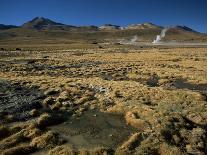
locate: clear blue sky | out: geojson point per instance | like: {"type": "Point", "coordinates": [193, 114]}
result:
{"type": "Point", "coordinates": [192, 13]}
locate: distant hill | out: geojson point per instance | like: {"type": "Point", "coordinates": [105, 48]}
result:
{"type": "Point", "coordinates": [185, 34]}
{"type": "Point", "coordinates": [184, 28]}
{"type": "Point", "coordinates": [5, 27]}
{"type": "Point", "coordinates": [109, 27]}
{"type": "Point", "coordinates": [143, 26]}
{"type": "Point", "coordinates": [40, 23]}
{"type": "Point", "coordinates": [41, 30]}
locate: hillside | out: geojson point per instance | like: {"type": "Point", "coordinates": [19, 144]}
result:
{"type": "Point", "coordinates": [45, 31]}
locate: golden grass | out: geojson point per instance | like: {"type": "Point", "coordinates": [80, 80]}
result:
{"type": "Point", "coordinates": [110, 80]}
{"type": "Point", "coordinates": [46, 140]}
{"type": "Point", "coordinates": [19, 150]}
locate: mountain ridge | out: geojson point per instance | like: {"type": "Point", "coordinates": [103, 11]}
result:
{"type": "Point", "coordinates": [41, 30]}
{"type": "Point", "coordinates": [40, 23]}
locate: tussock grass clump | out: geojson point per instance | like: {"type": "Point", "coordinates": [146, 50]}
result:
{"type": "Point", "coordinates": [64, 96]}
{"type": "Point", "coordinates": [13, 140]}
{"type": "Point", "coordinates": [47, 140]}
{"type": "Point", "coordinates": [48, 101]}
{"type": "Point", "coordinates": [32, 132]}
{"type": "Point", "coordinates": [19, 150]}
{"type": "Point", "coordinates": [4, 131]}
{"type": "Point", "coordinates": [133, 120]}
{"type": "Point", "coordinates": [52, 91]}
{"type": "Point", "coordinates": [34, 112]}
{"type": "Point", "coordinates": [83, 99]}
{"type": "Point", "coordinates": [9, 118]}
{"type": "Point", "coordinates": [166, 149]}
{"type": "Point", "coordinates": [101, 151]}
{"type": "Point", "coordinates": [46, 120]}
{"type": "Point", "coordinates": [68, 150]}
{"type": "Point", "coordinates": [56, 106]}
{"type": "Point", "coordinates": [130, 144]}
{"type": "Point", "coordinates": [59, 150]}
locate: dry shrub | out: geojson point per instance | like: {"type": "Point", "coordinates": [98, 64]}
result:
{"type": "Point", "coordinates": [4, 131]}
{"type": "Point", "coordinates": [64, 96]}
{"type": "Point", "coordinates": [47, 119]}
{"type": "Point", "coordinates": [60, 150]}
{"type": "Point", "coordinates": [133, 120]}
{"type": "Point", "coordinates": [52, 91]}
{"type": "Point", "coordinates": [48, 101]}
{"type": "Point", "coordinates": [74, 91]}
{"type": "Point", "coordinates": [9, 118]}
{"type": "Point", "coordinates": [47, 140]}
{"type": "Point", "coordinates": [67, 150]}
{"type": "Point", "coordinates": [101, 151]}
{"type": "Point", "coordinates": [32, 132]}
{"type": "Point", "coordinates": [132, 142]}
{"type": "Point", "coordinates": [19, 150]}
{"type": "Point", "coordinates": [166, 149]}
{"type": "Point", "coordinates": [13, 140]}
{"type": "Point", "coordinates": [56, 106]}
{"type": "Point", "coordinates": [44, 120]}
{"type": "Point", "coordinates": [83, 99]}
{"type": "Point", "coordinates": [34, 112]}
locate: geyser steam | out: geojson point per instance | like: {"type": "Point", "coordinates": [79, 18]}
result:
{"type": "Point", "coordinates": [161, 36]}
{"type": "Point", "coordinates": [134, 39]}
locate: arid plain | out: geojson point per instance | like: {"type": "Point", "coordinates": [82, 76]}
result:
{"type": "Point", "coordinates": [115, 100]}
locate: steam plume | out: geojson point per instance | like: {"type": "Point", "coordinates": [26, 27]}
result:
{"type": "Point", "coordinates": [129, 42]}
{"type": "Point", "coordinates": [134, 39]}
{"type": "Point", "coordinates": [161, 36]}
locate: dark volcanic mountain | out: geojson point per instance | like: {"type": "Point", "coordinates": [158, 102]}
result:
{"type": "Point", "coordinates": [40, 23]}
{"type": "Point", "coordinates": [185, 28]}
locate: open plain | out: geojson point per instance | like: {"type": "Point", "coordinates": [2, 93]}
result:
{"type": "Point", "coordinates": [106, 99]}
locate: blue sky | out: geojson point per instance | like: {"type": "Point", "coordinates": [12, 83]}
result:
{"type": "Point", "coordinates": [192, 13]}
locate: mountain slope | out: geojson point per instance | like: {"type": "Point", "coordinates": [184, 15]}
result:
{"type": "Point", "coordinates": [184, 34]}
{"type": "Point", "coordinates": [143, 26]}
{"type": "Point", "coordinates": [5, 27]}
{"type": "Point", "coordinates": [40, 23]}
{"type": "Point", "coordinates": [109, 27]}
{"type": "Point", "coordinates": [45, 31]}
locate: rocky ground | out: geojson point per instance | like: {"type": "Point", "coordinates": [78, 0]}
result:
{"type": "Point", "coordinates": [104, 101]}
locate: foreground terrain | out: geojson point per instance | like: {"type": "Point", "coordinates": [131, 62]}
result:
{"type": "Point", "coordinates": [116, 100]}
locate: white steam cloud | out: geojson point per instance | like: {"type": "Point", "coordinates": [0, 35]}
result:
{"type": "Point", "coordinates": [134, 39]}
{"type": "Point", "coordinates": [161, 36]}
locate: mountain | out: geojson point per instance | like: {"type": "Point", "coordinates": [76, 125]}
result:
{"type": "Point", "coordinates": [184, 28]}
{"type": "Point", "coordinates": [40, 23]}
{"type": "Point", "coordinates": [109, 27]}
{"type": "Point", "coordinates": [5, 27]}
{"type": "Point", "coordinates": [143, 26]}
{"type": "Point", "coordinates": [184, 34]}
{"type": "Point", "coordinates": [41, 31]}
